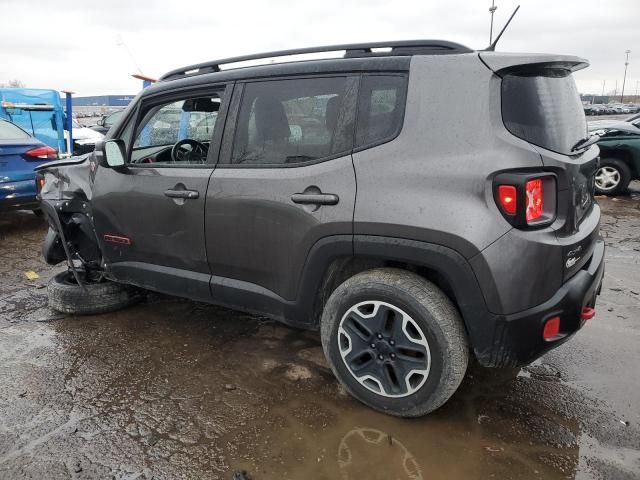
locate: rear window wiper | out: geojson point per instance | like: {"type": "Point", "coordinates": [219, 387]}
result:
{"type": "Point", "coordinates": [585, 142]}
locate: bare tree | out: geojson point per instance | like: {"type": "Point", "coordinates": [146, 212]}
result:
{"type": "Point", "coordinates": [15, 83]}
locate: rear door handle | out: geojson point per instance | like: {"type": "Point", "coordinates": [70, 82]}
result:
{"type": "Point", "coordinates": [315, 198]}
{"type": "Point", "coordinates": [188, 194]}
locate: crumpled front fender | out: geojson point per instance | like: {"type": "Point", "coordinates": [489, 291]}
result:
{"type": "Point", "coordinates": [66, 190]}
{"type": "Point", "coordinates": [68, 179]}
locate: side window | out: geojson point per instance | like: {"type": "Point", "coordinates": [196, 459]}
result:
{"type": "Point", "coordinates": [380, 108]}
{"type": "Point", "coordinates": [291, 121]}
{"type": "Point", "coordinates": [190, 121]}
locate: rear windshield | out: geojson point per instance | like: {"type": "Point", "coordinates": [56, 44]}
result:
{"type": "Point", "coordinates": [544, 108]}
{"type": "Point", "coordinates": [9, 131]}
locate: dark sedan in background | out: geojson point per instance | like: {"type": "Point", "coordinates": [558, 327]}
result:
{"type": "Point", "coordinates": [619, 153]}
{"type": "Point", "coordinates": [105, 123]}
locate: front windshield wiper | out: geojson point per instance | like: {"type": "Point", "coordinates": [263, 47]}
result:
{"type": "Point", "coordinates": [585, 142]}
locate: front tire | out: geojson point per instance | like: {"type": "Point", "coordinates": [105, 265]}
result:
{"type": "Point", "coordinates": [66, 296]}
{"type": "Point", "coordinates": [612, 177]}
{"type": "Point", "coordinates": [395, 341]}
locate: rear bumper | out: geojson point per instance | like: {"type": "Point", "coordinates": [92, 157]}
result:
{"type": "Point", "coordinates": [517, 338]}
{"type": "Point", "coordinates": [18, 195]}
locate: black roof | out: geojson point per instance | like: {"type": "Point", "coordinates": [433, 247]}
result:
{"type": "Point", "coordinates": [355, 50]}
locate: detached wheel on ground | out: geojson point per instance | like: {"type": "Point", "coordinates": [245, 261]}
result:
{"type": "Point", "coordinates": [613, 177]}
{"type": "Point", "coordinates": [66, 296]}
{"type": "Point", "coordinates": [395, 341]}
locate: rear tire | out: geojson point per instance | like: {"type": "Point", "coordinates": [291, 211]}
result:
{"type": "Point", "coordinates": [395, 341]}
{"type": "Point", "coordinates": [612, 177]}
{"type": "Point", "coordinates": [66, 296]}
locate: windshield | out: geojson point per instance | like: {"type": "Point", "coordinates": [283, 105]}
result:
{"type": "Point", "coordinates": [544, 108]}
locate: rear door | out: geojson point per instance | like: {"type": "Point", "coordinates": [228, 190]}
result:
{"type": "Point", "coordinates": [286, 180]}
{"type": "Point", "coordinates": [149, 214]}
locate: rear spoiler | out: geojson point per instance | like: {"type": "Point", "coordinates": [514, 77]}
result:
{"type": "Point", "coordinates": [501, 63]}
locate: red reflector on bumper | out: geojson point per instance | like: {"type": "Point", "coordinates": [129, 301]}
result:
{"type": "Point", "coordinates": [588, 313]}
{"type": "Point", "coordinates": [551, 328]}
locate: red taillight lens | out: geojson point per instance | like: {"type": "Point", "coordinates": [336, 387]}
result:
{"type": "Point", "coordinates": [41, 153]}
{"type": "Point", "coordinates": [534, 202]}
{"type": "Point", "coordinates": [507, 198]}
{"type": "Point", "coordinates": [551, 328]}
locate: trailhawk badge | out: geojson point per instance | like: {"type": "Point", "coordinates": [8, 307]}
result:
{"type": "Point", "coordinates": [573, 256]}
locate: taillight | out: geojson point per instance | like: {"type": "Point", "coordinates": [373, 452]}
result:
{"type": "Point", "coordinates": [40, 153]}
{"type": "Point", "coordinates": [526, 200]}
{"type": "Point", "coordinates": [507, 199]}
{"type": "Point", "coordinates": [535, 200]}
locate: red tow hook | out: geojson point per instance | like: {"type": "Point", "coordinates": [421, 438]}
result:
{"type": "Point", "coordinates": [588, 313]}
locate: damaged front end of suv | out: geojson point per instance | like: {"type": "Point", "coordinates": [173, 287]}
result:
{"type": "Point", "coordinates": [65, 192]}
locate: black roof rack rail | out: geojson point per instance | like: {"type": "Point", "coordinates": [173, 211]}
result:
{"type": "Point", "coordinates": [354, 50]}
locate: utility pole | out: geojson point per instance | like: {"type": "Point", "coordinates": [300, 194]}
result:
{"type": "Point", "coordinates": [603, 83]}
{"type": "Point", "coordinates": [492, 10]}
{"type": "Point", "coordinates": [626, 64]}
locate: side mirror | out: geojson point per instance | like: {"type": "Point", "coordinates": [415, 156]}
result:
{"type": "Point", "coordinates": [101, 121]}
{"type": "Point", "coordinates": [114, 153]}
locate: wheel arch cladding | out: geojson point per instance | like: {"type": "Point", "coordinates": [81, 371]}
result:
{"type": "Point", "coordinates": [457, 276]}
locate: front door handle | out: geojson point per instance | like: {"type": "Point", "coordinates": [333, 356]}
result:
{"type": "Point", "coordinates": [315, 198]}
{"type": "Point", "coordinates": [187, 194]}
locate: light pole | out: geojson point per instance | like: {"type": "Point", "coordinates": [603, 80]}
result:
{"type": "Point", "coordinates": [492, 10]}
{"type": "Point", "coordinates": [603, 83]}
{"type": "Point", "coordinates": [626, 64]}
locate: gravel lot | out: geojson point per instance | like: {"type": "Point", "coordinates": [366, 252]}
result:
{"type": "Point", "coordinates": [176, 389]}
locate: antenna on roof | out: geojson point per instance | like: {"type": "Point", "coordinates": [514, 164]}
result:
{"type": "Point", "coordinates": [492, 47]}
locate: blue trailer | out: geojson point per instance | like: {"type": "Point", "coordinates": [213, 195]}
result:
{"type": "Point", "coordinates": [37, 111]}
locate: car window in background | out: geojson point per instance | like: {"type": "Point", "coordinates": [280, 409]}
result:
{"type": "Point", "coordinates": [8, 131]}
{"type": "Point", "coordinates": [380, 108]}
{"type": "Point", "coordinates": [290, 121]}
{"type": "Point", "coordinates": [544, 108]}
{"type": "Point", "coordinates": [112, 118]}
{"type": "Point", "coordinates": [167, 124]}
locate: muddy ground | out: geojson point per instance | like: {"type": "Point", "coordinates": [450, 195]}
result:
{"type": "Point", "coordinates": [175, 389]}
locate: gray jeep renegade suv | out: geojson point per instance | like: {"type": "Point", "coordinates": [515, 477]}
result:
{"type": "Point", "coordinates": [418, 203]}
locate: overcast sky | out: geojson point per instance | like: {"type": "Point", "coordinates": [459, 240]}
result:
{"type": "Point", "coordinates": [92, 47]}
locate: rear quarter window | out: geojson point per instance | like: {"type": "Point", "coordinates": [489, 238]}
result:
{"type": "Point", "coordinates": [380, 109]}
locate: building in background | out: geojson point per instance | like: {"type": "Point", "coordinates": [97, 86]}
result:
{"type": "Point", "coordinates": [595, 99]}
{"type": "Point", "coordinates": [103, 101]}
{"type": "Point", "coordinates": [99, 105]}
